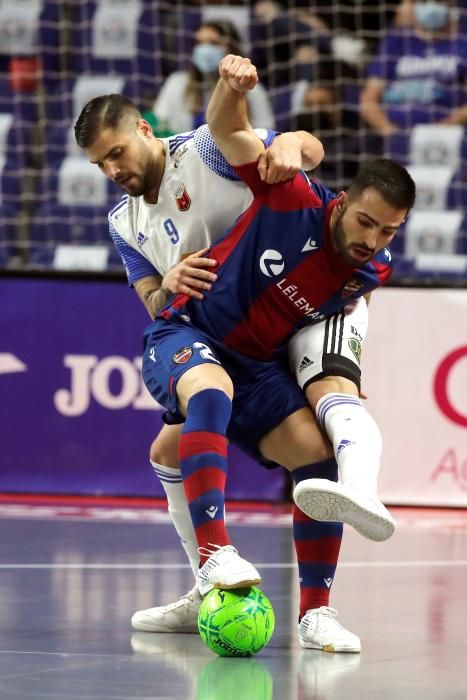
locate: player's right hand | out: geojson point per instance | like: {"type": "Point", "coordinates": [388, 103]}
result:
{"type": "Point", "coordinates": [238, 72]}
{"type": "Point", "coordinates": [191, 275]}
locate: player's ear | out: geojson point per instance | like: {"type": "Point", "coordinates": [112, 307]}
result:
{"type": "Point", "coordinates": [342, 199]}
{"type": "Point", "coordinates": [144, 127]}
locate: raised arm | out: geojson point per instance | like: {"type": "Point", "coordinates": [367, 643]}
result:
{"type": "Point", "coordinates": [227, 112]}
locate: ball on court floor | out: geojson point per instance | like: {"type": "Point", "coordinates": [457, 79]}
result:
{"type": "Point", "coordinates": [236, 622]}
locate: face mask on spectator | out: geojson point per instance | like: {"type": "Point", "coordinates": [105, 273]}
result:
{"type": "Point", "coordinates": [431, 15]}
{"type": "Point", "coordinates": [207, 57]}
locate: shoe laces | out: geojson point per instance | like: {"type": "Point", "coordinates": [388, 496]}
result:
{"type": "Point", "coordinates": [327, 612]}
{"type": "Point", "coordinates": [212, 562]}
{"type": "Point", "coordinates": [184, 599]}
{"type": "Point", "coordinates": [214, 549]}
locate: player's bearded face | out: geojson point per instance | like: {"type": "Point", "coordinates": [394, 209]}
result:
{"type": "Point", "coordinates": [143, 177]}
{"type": "Point", "coordinates": [346, 242]}
{"type": "Point", "coordinates": [364, 226]}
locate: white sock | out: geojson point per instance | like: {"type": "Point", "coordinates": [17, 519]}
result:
{"type": "Point", "coordinates": [172, 483]}
{"type": "Point", "coordinates": [355, 437]}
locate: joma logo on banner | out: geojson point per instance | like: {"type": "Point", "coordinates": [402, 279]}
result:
{"type": "Point", "coordinates": [90, 379]}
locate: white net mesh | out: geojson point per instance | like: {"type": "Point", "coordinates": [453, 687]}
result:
{"type": "Point", "coordinates": [370, 78]}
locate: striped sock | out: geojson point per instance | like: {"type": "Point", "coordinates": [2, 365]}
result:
{"type": "Point", "coordinates": [203, 463]}
{"type": "Point", "coordinates": [317, 544]}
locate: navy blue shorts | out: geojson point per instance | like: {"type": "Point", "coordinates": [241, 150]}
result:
{"type": "Point", "coordinates": [265, 393]}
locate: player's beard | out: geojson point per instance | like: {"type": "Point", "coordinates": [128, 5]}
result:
{"type": "Point", "coordinates": [343, 247]}
{"type": "Point", "coordinates": [147, 180]}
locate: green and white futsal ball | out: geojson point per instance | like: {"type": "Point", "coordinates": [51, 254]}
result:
{"type": "Point", "coordinates": [237, 622]}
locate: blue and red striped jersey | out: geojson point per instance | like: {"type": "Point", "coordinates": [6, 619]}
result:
{"type": "Point", "coordinates": [277, 270]}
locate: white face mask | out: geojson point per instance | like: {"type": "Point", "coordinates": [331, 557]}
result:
{"type": "Point", "coordinates": [348, 49]}
{"type": "Point", "coordinates": [432, 15]}
{"type": "Point", "coordinates": [207, 57]}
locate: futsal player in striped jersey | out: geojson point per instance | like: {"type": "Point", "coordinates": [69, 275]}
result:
{"type": "Point", "coordinates": [113, 134]}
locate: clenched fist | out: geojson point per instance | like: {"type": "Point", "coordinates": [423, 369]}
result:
{"type": "Point", "coordinates": [238, 72]}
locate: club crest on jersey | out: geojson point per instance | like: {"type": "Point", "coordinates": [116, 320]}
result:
{"type": "Point", "coordinates": [351, 287]}
{"type": "Point", "coordinates": [182, 198]}
{"type": "Point", "coordinates": [182, 356]}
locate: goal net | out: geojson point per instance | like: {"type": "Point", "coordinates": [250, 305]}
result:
{"type": "Point", "coordinates": [369, 78]}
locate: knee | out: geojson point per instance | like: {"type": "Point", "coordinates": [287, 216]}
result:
{"type": "Point", "coordinates": [199, 379]}
{"type": "Point", "coordinates": [164, 452]}
{"type": "Point", "coordinates": [222, 383]}
{"type": "Point", "coordinates": [296, 441]}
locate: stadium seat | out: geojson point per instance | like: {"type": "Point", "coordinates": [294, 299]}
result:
{"type": "Point", "coordinates": [19, 23]}
{"type": "Point", "coordinates": [433, 183]}
{"type": "Point", "coordinates": [436, 145]}
{"type": "Point", "coordinates": [11, 180]}
{"type": "Point", "coordinates": [75, 202]}
{"type": "Point", "coordinates": [435, 233]}
{"type": "Point", "coordinates": [56, 224]}
{"type": "Point", "coordinates": [116, 38]}
{"type": "Point", "coordinates": [31, 28]}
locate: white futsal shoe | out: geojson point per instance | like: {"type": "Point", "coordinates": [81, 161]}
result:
{"type": "Point", "coordinates": [225, 569]}
{"type": "Point", "coordinates": [319, 629]}
{"type": "Point", "coordinates": [329, 501]}
{"type": "Point", "coordinates": [181, 616]}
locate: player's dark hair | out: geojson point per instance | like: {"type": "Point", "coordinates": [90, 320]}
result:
{"type": "Point", "coordinates": [228, 31]}
{"type": "Point", "coordinates": [103, 112]}
{"type": "Point", "coordinates": [390, 179]}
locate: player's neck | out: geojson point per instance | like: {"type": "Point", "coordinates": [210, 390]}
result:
{"type": "Point", "coordinates": [152, 195]}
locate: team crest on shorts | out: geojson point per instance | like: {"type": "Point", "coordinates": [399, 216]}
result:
{"type": "Point", "coordinates": [351, 288]}
{"type": "Point", "coordinates": [182, 356]}
{"type": "Point", "coordinates": [182, 198]}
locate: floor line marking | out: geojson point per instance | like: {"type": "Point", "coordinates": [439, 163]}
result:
{"type": "Point", "coordinates": [265, 565]}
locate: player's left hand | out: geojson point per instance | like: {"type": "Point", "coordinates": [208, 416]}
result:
{"type": "Point", "coordinates": [282, 160]}
{"type": "Point", "coordinates": [238, 72]}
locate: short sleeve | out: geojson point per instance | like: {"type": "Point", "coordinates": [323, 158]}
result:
{"type": "Point", "coordinates": [211, 156]}
{"type": "Point", "coordinates": [136, 265]}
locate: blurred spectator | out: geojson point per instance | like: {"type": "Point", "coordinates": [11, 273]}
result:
{"type": "Point", "coordinates": [276, 35]}
{"type": "Point", "coordinates": [320, 106]}
{"type": "Point", "coordinates": [347, 29]}
{"type": "Point", "coordinates": [183, 97]}
{"type": "Point", "coordinates": [357, 21]}
{"type": "Point", "coordinates": [419, 75]}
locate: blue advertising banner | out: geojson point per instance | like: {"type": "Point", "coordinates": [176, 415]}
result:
{"type": "Point", "coordinates": [76, 417]}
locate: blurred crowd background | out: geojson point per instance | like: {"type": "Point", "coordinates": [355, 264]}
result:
{"type": "Point", "coordinates": [368, 78]}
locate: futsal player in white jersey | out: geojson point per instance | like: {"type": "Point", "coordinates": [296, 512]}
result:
{"type": "Point", "coordinates": [181, 195]}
